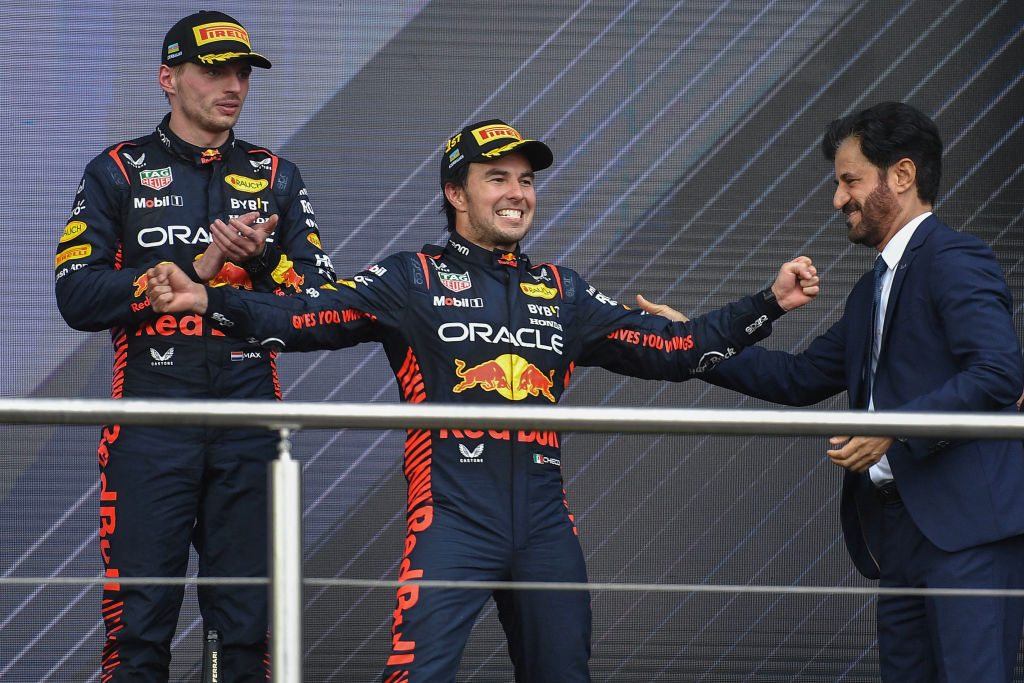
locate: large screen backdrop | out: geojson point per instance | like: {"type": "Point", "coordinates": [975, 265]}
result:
{"type": "Point", "coordinates": [687, 168]}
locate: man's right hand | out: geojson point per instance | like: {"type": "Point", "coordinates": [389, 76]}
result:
{"type": "Point", "coordinates": [170, 290]}
{"type": "Point", "coordinates": [795, 285]}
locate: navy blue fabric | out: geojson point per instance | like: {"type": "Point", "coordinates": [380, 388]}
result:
{"type": "Point", "coordinates": [211, 493]}
{"type": "Point", "coordinates": [139, 203]}
{"type": "Point", "coordinates": [924, 639]}
{"type": "Point", "coordinates": [948, 344]}
{"type": "Point", "coordinates": [461, 324]}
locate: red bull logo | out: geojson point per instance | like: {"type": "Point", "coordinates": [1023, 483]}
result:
{"type": "Point", "coordinates": [510, 375]}
{"type": "Point", "coordinates": [284, 274]}
{"type": "Point", "coordinates": [140, 283]}
{"type": "Point", "coordinates": [233, 276]}
{"type": "Point", "coordinates": [508, 259]}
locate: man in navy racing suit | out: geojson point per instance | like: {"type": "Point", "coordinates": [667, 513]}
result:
{"type": "Point", "coordinates": [232, 215]}
{"type": "Point", "coordinates": [475, 321]}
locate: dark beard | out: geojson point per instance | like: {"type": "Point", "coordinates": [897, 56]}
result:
{"type": "Point", "coordinates": [876, 216]}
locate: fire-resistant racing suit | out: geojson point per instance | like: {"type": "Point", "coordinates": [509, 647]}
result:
{"type": "Point", "coordinates": [461, 324]}
{"type": "Point", "coordinates": [140, 203]}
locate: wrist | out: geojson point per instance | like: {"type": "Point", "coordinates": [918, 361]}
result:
{"type": "Point", "coordinates": [257, 263]}
{"type": "Point", "coordinates": [771, 303]}
{"type": "Point", "coordinates": [198, 272]}
{"type": "Point", "coordinates": [202, 300]}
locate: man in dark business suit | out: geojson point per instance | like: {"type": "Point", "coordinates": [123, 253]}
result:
{"type": "Point", "coordinates": [938, 337]}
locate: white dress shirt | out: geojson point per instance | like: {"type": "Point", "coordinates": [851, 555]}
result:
{"type": "Point", "coordinates": [892, 254]}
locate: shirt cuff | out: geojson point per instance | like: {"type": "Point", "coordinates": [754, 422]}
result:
{"type": "Point", "coordinates": [767, 302]}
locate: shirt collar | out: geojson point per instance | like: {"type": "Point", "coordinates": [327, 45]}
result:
{"type": "Point", "coordinates": [893, 251]}
{"type": "Point", "coordinates": [498, 257]}
{"type": "Point", "coordinates": [186, 150]}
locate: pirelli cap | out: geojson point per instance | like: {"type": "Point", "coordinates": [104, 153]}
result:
{"type": "Point", "coordinates": [487, 140]}
{"type": "Point", "coordinates": [209, 38]}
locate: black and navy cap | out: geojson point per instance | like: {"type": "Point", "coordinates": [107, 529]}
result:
{"type": "Point", "coordinates": [488, 140]}
{"type": "Point", "coordinates": [209, 38]}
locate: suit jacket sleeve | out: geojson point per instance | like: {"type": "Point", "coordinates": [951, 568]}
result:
{"type": "Point", "coordinates": [799, 379]}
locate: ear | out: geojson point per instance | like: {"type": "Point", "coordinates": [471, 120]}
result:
{"type": "Point", "coordinates": [456, 196]}
{"type": "Point", "coordinates": [166, 79]}
{"type": "Point", "coordinates": [903, 175]}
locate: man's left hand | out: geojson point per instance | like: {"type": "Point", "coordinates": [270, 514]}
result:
{"type": "Point", "coordinates": [858, 453]}
{"type": "Point", "coordinates": [664, 310]}
{"type": "Point", "coordinates": [796, 284]}
{"type": "Point", "coordinates": [242, 238]}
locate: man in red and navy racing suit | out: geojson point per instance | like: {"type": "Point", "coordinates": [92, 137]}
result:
{"type": "Point", "coordinates": [161, 198]}
{"type": "Point", "coordinates": [476, 322]}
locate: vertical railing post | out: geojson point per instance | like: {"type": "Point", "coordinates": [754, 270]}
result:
{"type": "Point", "coordinates": [286, 565]}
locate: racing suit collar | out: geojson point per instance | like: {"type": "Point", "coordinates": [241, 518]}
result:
{"type": "Point", "coordinates": [199, 156]}
{"type": "Point", "coordinates": [498, 257]}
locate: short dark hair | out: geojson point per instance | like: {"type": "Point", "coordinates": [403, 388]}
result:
{"type": "Point", "coordinates": [888, 132]}
{"type": "Point", "coordinates": [458, 179]}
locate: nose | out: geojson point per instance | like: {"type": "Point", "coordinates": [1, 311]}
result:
{"type": "Point", "coordinates": [515, 191]}
{"type": "Point", "coordinates": [235, 83]}
{"type": "Point", "coordinates": [840, 198]}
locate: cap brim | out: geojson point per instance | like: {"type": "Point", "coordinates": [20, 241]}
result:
{"type": "Point", "coordinates": [258, 60]}
{"type": "Point", "coordinates": [536, 152]}
{"type": "Point", "coordinates": [253, 58]}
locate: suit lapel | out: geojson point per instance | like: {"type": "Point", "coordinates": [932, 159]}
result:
{"type": "Point", "coordinates": [900, 277]}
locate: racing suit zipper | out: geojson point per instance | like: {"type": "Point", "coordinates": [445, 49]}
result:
{"type": "Point", "coordinates": [517, 492]}
{"type": "Point", "coordinates": [214, 351]}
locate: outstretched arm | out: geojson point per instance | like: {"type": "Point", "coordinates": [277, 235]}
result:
{"type": "Point", "coordinates": [795, 285]}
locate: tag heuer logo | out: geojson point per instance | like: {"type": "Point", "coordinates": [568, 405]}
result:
{"type": "Point", "coordinates": [157, 179]}
{"type": "Point", "coordinates": [457, 282]}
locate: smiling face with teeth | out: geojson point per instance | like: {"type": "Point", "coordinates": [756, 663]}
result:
{"type": "Point", "coordinates": [494, 209]}
{"type": "Point", "coordinates": [877, 202]}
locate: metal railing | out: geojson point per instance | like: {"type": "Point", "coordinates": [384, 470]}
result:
{"type": "Point", "coordinates": [286, 578]}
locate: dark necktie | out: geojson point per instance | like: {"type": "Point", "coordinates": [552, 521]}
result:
{"type": "Point", "coordinates": [876, 300]}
